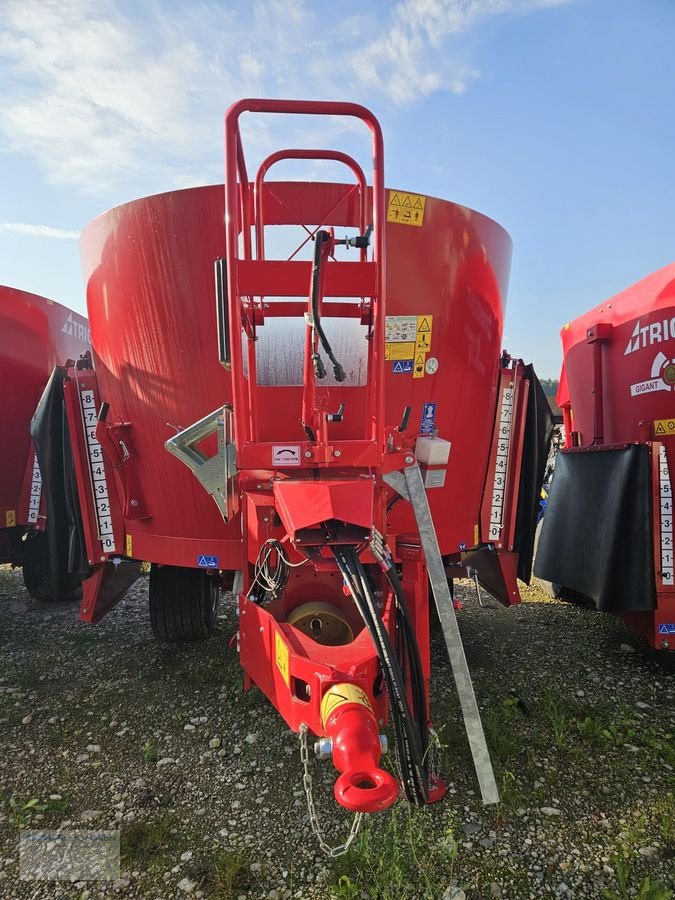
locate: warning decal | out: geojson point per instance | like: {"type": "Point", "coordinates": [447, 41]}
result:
{"type": "Point", "coordinates": [282, 658]}
{"type": "Point", "coordinates": [664, 426]}
{"type": "Point", "coordinates": [399, 351]}
{"type": "Point", "coordinates": [10, 518]}
{"type": "Point", "coordinates": [207, 562]}
{"type": "Point", "coordinates": [402, 367]}
{"type": "Point", "coordinates": [428, 422]}
{"type": "Point", "coordinates": [418, 371]}
{"type": "Point", "coordinates": [406, 209]}
{"type": "Point", "coordinates": [285, 454]}
{"type": "Point", "coordinates": [338, 695]}
{"type": "Point", "coordinates": [423, 334]}
{"type": "Point", "coordinates": [399, 328]}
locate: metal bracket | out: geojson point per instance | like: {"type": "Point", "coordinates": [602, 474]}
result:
{"type": "Point", "coordinates": [410, 486]}
{"type": "Point", "coordinates": [216, 473]}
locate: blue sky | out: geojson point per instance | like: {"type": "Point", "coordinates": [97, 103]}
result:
{"type": "Point", "coordinates": [554, 117]}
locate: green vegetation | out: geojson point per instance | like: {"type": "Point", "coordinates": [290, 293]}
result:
{"type": "Point", "coordinates": [645, 890]}
{"type": "Point", "coordinates": [229, 875]}
{"type": "Point", "coordinates": [146, 842]}
{"type": "Point", "coordinates": [149, 752]}
{"type": "Point", "coordinates": [550, 386]}
{"type": "Point", "coordinates": [398, 856]}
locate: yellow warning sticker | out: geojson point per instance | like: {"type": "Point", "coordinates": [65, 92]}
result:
{"type": "Point", "coordinates": [282, 658]}
{"type": "Point", "coordinates": [418, 368]}
{"type": "Point", "coordinates": [406, 209]}
{"type": "Point", "coordinates": [423, 335]}
{"type": "Point", "coordinates": [128, 546]}
{"type": "Point", "coordinates": [10, 514]}
{"type": "Point", "coordinates": [664, 426]}
{"type": "Point", "coordinates": [476, 535]}
{"type": "Point", "coordinates": [399, 351]}
{"type": "Point", "coordinates": [338, 695]}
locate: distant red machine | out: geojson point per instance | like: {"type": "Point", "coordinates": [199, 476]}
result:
{"type": "Point", "coordinates": [608, 532]}
{"type": "Point", "coordinates": [35, 335]}
{"type": "Point", "coordinates": [341, 432]}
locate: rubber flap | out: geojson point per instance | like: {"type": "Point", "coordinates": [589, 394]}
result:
{"type": "Point", "coordinates": [597, 532]}
{"type": "Point", "coordinates": [49, 430]}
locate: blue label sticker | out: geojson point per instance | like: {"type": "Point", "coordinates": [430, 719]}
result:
{"type": "Point", "coordinates": [401, 366]}
{"type": "Point", "coordinates": [428, 418]}
{"type": "Point", "coordinates": [207, 562]}
{"type": "Point", "coordinates": [667, 628]}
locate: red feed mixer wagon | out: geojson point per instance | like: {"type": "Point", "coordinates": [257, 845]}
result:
{"type": "Point", "coordinates": [36, 334]}
{"type": "Point", "coordinates": [333, 427]}
{"type": "Point", "coordinates": [608, 530]}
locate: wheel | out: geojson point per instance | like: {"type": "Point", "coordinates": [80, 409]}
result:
{"type": "Point", "coordinates": [37, 570]}
{"type": "Point", "coordinates": [183, 603]}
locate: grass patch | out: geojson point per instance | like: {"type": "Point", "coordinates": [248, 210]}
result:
{"type": "Point", "coordinates": [145, 843]}
{"type": "Point", "coordinates": [56, 737]}
{"type": "Point", "coordinates": [627, 887]}
{"type": "Point", "coordinates": [21, 813]}
{"type": "Point", "coordinates": [149, 752]}
{"type": "Point", "coordinates": [398, 856]}
{"type": "Point", "coordinates": [230, 875]}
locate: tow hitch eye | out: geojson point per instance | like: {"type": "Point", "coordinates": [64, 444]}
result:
{"type": "Point", "coordinates": [353, 741]}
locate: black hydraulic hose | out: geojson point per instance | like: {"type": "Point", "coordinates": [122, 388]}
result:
{"type": "Point", "coordinates": [409, 659]}
{"type": "Point", "coordinates": [412, 651]}
{"type": "Point", "coordinates": [413, 762]}
{"type": "Point", "coordinates": [412, 745]}
{"type": "Point", "coordinates": [401, 740]}
{"type": "Point", "coordinates": [338, 371]}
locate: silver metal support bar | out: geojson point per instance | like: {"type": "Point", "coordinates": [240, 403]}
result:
{"type": "Point", "coordinates": [215, 473]}
{"type": "Point", "coordinates": [410, 486]}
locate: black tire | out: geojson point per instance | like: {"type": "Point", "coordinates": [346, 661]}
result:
{"type": "Point", "coordinates": [183, 603]}
{"type": "Point", "coordinates": [37, 570]}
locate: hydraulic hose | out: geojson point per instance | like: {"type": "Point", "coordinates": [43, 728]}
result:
{"type": "Point", "coordinates": [410, 653]}
{"type": "Point", "coordinates": [407, 730]}
{"type": "Point", "coordinates": [320, 240]}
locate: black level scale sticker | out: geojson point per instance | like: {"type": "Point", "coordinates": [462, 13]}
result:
{"type": "Point", "coordinates": [35, 492]}
{"type": "Point", "coordinates": [501, 462]}
{"type": "Point", "coordinates": [666, 501]}
{"type": "Point", "coordinates": [98, 477]}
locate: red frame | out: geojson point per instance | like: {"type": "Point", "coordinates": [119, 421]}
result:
{"type": "Point", "coordinates": [251, 278]}
{"type": "Point", "coordinates": [85, 441]}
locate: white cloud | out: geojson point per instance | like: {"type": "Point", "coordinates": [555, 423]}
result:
{"type": "Point", "coordinates": [413, 57]}
{"type": "Point", "coordinates": [99, 97]}
{"type": "Point", "coordinates": [39, 230]}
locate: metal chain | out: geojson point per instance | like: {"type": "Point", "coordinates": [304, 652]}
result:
{"type": "Point", "coordinates": [434, 755]}
{"type": "Point", "coordinates": [341, 849]}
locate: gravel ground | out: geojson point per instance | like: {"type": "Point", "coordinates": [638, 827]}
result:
{"type": "Point", "coordinates": [104, 728]}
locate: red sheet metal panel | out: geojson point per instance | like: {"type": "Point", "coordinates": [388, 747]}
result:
{"type": "Point", "coordinates": [35, 335]}
{"type": "Point", "coordinates": [635, 381]}
{"type": "Point", "coordinates": [149, 272]}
